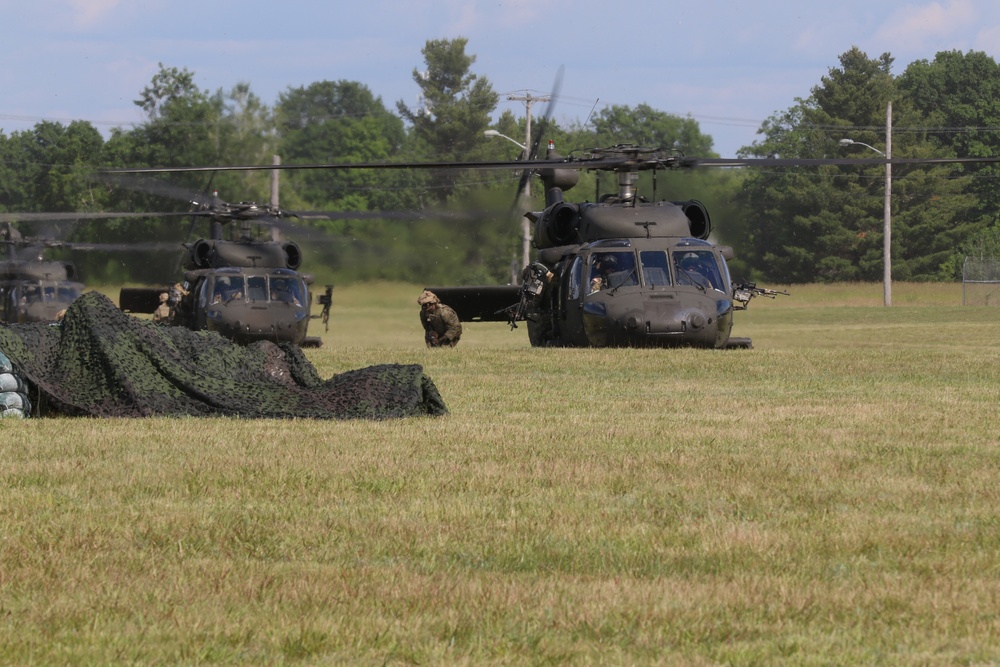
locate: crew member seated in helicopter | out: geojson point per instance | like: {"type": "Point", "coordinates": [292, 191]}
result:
{"type": "Point", "coordinates": [283, 290]}
{"type": "Point", "coordinates": [612, 270]}
{"type": "Point", "coordinates": [227, 289]}
{"type": "Point", "coordinates": [32, 294]}
{"type": "Point", "coordinates": [693, 269]}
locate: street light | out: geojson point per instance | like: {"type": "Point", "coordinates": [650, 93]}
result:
{"type": "Point", "coordinates": [887, 213]}
{"type": "Point", "coordinates": [525, 223]}
{"type": "Point", "coordinates": [850, 142]}
{"type": "Point", "coordinates": [494, 133]}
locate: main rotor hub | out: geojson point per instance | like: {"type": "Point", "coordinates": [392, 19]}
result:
{"type": "Point", "coordinates": [627, 181]}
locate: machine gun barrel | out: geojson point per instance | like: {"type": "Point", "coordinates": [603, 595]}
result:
{"type": "Point", "coordinates": [743, 292]}
{"type": "Point", "coordinates": [514, 313]}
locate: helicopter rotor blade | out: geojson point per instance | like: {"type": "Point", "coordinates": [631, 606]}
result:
{"type": "Point", "coordinates": [540, 131]}
{"type": "Point", "coordinates": [147, 246]}
{"type": "Point", "coordinates": [59, 216]}
{"type": "Point", "coordinates": [146, 184]}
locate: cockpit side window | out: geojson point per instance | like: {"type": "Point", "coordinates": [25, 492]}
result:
{"type": "Point", "coordinates": [286, 290]}
{"type": "Point", "coordinates": [228, 288]}
{"type": "Point", "coordinates": [31, 294]}
{"type": "Point", "coordinates": [67, 293]}
{"type": "Point", "coordinates": [698, 268]}
{"type": "Point", "coordinates": [611, 270]}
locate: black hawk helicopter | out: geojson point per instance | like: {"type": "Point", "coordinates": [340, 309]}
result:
{"type": "Point", "coordinates": [620, 272]}
{"type": "Point", "coordinates": [246, 287]}
{"type": "Point", "coordinates": [33, 287]}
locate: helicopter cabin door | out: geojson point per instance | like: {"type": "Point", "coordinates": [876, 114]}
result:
{"type": "Point", "coordinates": [569, 322]}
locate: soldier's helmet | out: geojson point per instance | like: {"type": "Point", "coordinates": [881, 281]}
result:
{"type": "Point", "coordinates": [607, 263]}
{"type": "Point", "coordinates": [690, 262]}
{"type": "Point", "coordinates": [426, 297]}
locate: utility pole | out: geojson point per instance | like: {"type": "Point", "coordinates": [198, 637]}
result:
{"type": "Point", "coordinates": [528, 100]}
{"type": "Point", "coordinates": [276, 161]}
{"type": "Point", "coordinates": [887, 223]}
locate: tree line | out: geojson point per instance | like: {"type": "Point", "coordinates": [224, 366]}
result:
{"type": "Point", "coordinates": [454, 226]}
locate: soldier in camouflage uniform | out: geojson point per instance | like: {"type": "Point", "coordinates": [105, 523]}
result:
{"type": "Point", "coordinates": [162, 313]}
{"type": "Point", "coordinates": [441, 324]}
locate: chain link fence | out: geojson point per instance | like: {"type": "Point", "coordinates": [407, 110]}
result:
{"type": "Point", "coordinates": [981, 281]}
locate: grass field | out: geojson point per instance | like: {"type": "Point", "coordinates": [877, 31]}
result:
{"type": "Point", "coordinates": [829, 497]}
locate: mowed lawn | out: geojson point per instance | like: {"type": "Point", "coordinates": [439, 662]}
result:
{"type": "Point", "coordinates": [829, 497]}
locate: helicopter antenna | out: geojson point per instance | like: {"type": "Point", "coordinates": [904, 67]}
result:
{"type": "Point", "coordinates": [591, 114]}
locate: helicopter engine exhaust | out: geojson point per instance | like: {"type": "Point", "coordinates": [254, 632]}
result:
{"type": "Point", "coordinates": [293, 255]}
{"type": "Point", "coordinates": [201, 254]}
{"type": "Point", "coordinates": [698, 218]}
{"type": "Point", "coordinates": [559, 227]}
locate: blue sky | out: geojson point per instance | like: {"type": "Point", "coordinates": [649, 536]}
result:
{"type": "Point", "coordinates": [727, 64]}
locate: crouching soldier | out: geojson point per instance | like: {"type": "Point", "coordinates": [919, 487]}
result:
{"type": "Point", "coordinates": [441, 324]}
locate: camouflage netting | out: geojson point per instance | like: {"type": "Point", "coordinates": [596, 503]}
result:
{"type": "Point", "coordinates": [101, 362]}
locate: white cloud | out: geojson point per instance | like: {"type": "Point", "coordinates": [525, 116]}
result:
{"type": "Point", "coordinates": [916, 25]}
{"type": "Point", "coordinates": [88, 13]}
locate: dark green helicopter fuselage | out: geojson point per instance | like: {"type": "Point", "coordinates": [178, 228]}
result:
{"type": "Point", "coordinates": [648, 300]}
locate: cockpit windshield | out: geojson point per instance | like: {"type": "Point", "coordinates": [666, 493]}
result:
{"type": "Point", "coordinates": [698, 268]}
{"type": "Point", "coordinates": [611, 270]}
{"type": "Point", "coordinates": [48, 293]}
{"type": "Point", "coordinates": [286, 290]}
{"type": "Point", "coordinates": [227, 289]}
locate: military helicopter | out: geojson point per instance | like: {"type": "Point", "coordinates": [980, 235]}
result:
{"type": "Point", "coordinates": [245, 287]}
{"type": "Point", "coordinates": [34, 288]}
{"type": "Point", "coordinates": [621, 272]}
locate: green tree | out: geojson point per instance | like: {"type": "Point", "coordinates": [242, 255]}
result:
{"type": "Point", "coordinates": [646, 126]}
{"type": "Point", "coordinates": [181, 129]}
{"type": "Point", "coordinates": [48, 168]}
{"type": "Point", "coordinates": [456, 110]}
{"type": "Point", "coordinates": [337, 122]}
{"type": "Point", "coordinates": [245, 135]}
{"type": "Point", "coordinates": [959, 96]}
{"type": "Point", "coordinates": [342, 121]}
{"type": "Point", "coordinates": [825, 223]}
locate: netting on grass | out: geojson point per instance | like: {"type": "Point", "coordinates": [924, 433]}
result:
{"type": "Point", "coordinates": [101, 362]}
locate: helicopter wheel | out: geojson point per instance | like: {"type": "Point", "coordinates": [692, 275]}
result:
{"type": "Point", "coordinates": [539, 335]}
{"type": "Point", "coordinates": [736, 343]}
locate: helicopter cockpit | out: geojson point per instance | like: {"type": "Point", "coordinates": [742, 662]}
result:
{"type": "Point", "coordinates": [628, 265]}
{"type": "Point", "coordinates": [277, 286]}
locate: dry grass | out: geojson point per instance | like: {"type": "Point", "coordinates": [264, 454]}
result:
{"type": "Point", "coordinates": [828, 497]}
